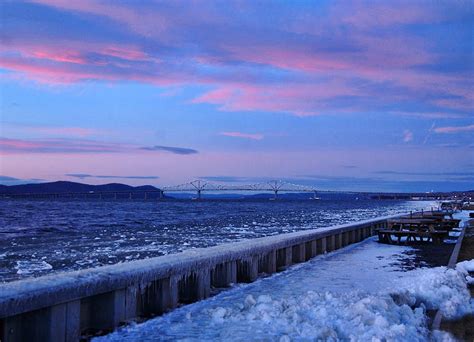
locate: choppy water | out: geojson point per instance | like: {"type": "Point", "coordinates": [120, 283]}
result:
{"type": "Point", "coordinates": [40, 237]}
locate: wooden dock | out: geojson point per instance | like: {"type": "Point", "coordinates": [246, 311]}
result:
{"type": "Point", "coordinates": [431, 227]}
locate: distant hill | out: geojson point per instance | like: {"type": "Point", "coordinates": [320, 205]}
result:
{"type": "Point", "coordinates": [63, 186]}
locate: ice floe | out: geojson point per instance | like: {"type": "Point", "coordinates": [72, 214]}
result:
{"type": "Point", "coordinates": [32, 266]}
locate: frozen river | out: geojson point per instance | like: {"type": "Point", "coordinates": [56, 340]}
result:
{"type": "Point", "coordinates": [39, 237]}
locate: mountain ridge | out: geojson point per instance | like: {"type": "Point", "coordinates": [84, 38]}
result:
{"type": "Point", "coordinates": [66, 186]}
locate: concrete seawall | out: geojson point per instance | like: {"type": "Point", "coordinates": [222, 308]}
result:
{"type": "Point", "coordinates": [63, 306]}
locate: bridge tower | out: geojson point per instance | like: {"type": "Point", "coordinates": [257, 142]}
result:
{"type": "Point", "coordinates": [275, 186]}
{"type": "Point", "coordinates": [199, 186]}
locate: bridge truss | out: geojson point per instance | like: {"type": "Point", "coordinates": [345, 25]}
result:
{"type": "Point", "coordinates": [274, 186]}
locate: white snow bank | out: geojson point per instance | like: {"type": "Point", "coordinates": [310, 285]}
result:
{"type": "Point", "coordinates": [322, 316]}
{"type": "Point", "coordinates": [465, 266]}
{"type": "Point", "coordinates": [436, 288]}
{"type": "Point", "coordinates": [355, 316]}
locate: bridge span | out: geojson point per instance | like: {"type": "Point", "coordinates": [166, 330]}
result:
{"type": "Point", "coordinates": [274, 186]}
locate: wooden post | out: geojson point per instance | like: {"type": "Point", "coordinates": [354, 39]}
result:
{"type": "Point", "coordinates": [247, 270]}
{"type": "Point", "coordinates": [311, 250]}
{"type": "Point", "coordinates": [321, 245]}
{"type": "Point", "coordinates": [195, 286]}
{"type": "Point", "coordinates": [268, 263]}
{"type": "Point", "coordinates": [299, 253]}
{"type": "Point", "coordinates": [104, 311]}
{"type": "Point", "coordinates": [284, 258]}
{"type": "Point", "coordinates": [224, 274]}
{"type": "Point", "coordinates": [56, 323]}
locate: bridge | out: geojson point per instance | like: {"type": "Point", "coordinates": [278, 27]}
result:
{"type": "Point", "coordinates": [274, 186]}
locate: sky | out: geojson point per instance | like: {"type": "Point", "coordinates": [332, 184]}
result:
{"type": "Point", "coordinates": [340, 95]}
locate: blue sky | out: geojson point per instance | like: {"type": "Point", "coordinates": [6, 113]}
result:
{"type": "Point", "coordinates": [343, 95]}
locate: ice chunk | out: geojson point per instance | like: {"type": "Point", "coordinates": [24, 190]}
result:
{"type": "Point", "coordinates": [31, 266]}
{"type": "Point", "coordinates": [465, 266]}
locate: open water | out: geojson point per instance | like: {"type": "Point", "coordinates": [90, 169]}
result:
{"type": "Point", "coordinates": [39, 237]}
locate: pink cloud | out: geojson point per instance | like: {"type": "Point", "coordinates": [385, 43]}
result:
{"type": "Point", "coordinates": [365, 14]}
{"type": "Point", "coordinates": [64, 73]}
{"type": "Point", "coordinates": [84, 146]}
{"type": "Point", "coordinates": [454, 129]}
{"type": "Point", "coordinates": [430, 115]}
{"type": "Point", "coordinates": [63, 131]}
{"type": "Point", "coordinates": [15, 146]}
{"type": "Point", "coordinates": [133, 54]}
{"type": "Point", "coordinates": [51, 74]}
{"type": "Point", "coordinates": [255, 136]}
{"type": "Point", "coordinates": [337, 56]}
{"type": "Point", "coordinates": [300, 100]}
{"type": "Point", "coordinates": [64, 57]}
{"type": "Point", "coordinates": [13, 129]}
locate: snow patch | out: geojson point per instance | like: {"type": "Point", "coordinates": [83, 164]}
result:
{"type": "Point", "coordinates": [465, 266]}
{"type": "Point", "coordinates": [436, 288]}
{"type": "Point", "coordinates": [396, 313]}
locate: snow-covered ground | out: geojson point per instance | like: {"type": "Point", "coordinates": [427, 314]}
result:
{"type": "Point", "coordinates": [359, 293]}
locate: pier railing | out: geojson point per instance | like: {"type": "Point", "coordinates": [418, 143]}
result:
{"type": "Point", "coordinates": [64, 306]}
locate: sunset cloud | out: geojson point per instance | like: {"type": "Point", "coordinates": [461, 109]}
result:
{"type": "Point", "coordinates": [86, 175]}
{"type": "Point", "coordinates": [52, 131]}
{"type": "Point", "coordinates": [8, 146]}
{"type": "Point", "coordinates": [204, 89]}
{"type": "Point", "coordinates": [454, 129]}
{"type": "Point", "coordinates": [254, 136]}
{"type": "Point", "coordinates": [171, 149]}
{"type": "Point", "coordinates": [303, 64]}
